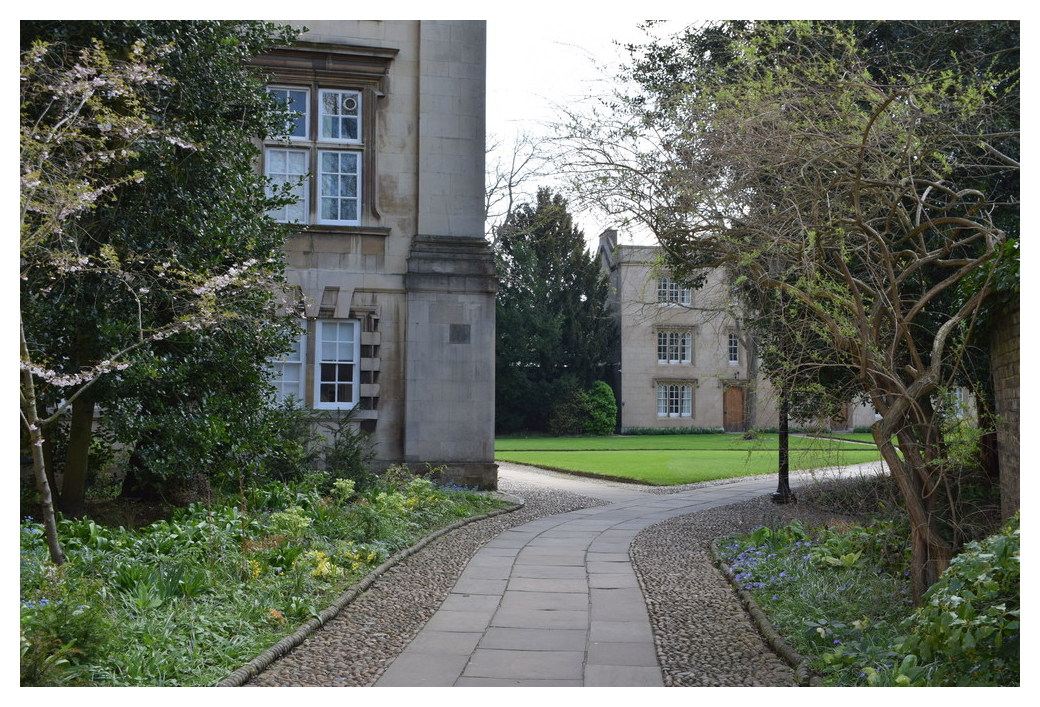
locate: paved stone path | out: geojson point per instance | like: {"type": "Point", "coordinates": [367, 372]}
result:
{"type": "Point", "coordinates": [556, 602]}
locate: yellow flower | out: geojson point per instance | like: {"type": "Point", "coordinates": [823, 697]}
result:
{"type": "Point", "coordinates": [275, 616]}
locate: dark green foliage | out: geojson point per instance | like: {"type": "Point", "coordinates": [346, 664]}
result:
{"type": "Point", "coordinates": [834, 593]}
{"type": "Point", "coordinates": [840, 596]}
{"type": "Point", "coordinates": [602, 416]}
{"type": "Point", "coordinates": [591, 411]}
{"type": "Point", "coordinates": [188, 600]}
{"type": "Point", "coordinates": [345, 451]}
{"type": "Point", "coordinates": [551, 322]}
{"type": "Point", "coordinates": [570, 412]}
{"type": "Point", "coordinates": [189, 403]}
{"type": "Point", "coordinates": [969, 624]}
{"type": "Point", "coordinates": [827, 166]}
{"type": "Point", "coordinates": [63, 626]}
{"type": "Point", "coordinates": [672, 431]}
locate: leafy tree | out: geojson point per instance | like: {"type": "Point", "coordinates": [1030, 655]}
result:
{"type": "Point", "coordinates": [80, 115]}
{"type": "Point", "coordinates": [170, 275]}
{"type": "Point", "coordinates": [860, 183]}
{"type": "Point", "coordinates": [552, 328]}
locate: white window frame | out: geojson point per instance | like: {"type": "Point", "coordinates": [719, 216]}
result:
{"type": "Point", "coordinates": [669, 292]}
{"type": "Point", "coordinates": [675, 399]}
{"type": "Point", "coordinates": [338, 178]}
{"type": "Point", "coordinates": [294, 359]}
{"type": "Point", "coordinates": [321, 193]}
{"type": "Point", "coordinates": [320, 362]}
{"type": "Point", "coordinates": [733, 349]}
{"type": "Point", "coordinates": [674, 346]}
{"type": "Point", "coordinates": [322, 115]}
{"type": "Point", "coordinates": [300, 180]}
{"type": "Point", "coordinates": [291, 114]}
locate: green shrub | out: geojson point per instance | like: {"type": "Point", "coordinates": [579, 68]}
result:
{"type": "Point", "coordinates": [65, 622]}
{"type": "Point", "coordinates": [568, 414]}
{"type": "Point", "coordinates": [836, 594]}
{"type": "Point", "coordinates": [969, 622]}
{"type": "Point", "coordinates": [346, 452]}
{"type": "Point", "coordinates": [591, 411]}
{"type": "Point", "coordinates": [292, 442]}
{"type": "Point", "coordinates": [602, 411]}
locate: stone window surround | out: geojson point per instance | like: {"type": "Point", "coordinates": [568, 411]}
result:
{"type": "Point", "coordinates": [680, 391]}
{"type": "Point", "coordinates": [733, 349]}
{"type": "Point", "coordinates": [360, 69]}
{"type": "Point", "coordinates": [308, 362]}
{"type": "Point", "coordinates": [670, 293]}
{"type": "Point", "coordinates": [681, 345]}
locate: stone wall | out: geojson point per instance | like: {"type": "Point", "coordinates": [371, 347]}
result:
{"type": "Point", "coordinates": [1004, 347]}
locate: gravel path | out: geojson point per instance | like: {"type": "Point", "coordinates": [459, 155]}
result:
{"type": "Point", "coordinates": [703, 635]}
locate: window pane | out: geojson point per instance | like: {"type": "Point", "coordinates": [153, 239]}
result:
{"type": "Point", "coordinates": [328, 103]}
{"type": "Point", "coordinates": [348, 162]}
{"type": "Point", "coordinates": [298, 105]}
{"type": "Point", "coordinates": [276, 160]}
{"type": "Point", "coordinates": [287, 167]}
{"type": "Point", "coordinates": [294, 102]}
{"type": "Point", "coordinates": [288, 370]}
{"type": "Point", "coordinates": [296, 161]}
{"type": "Point", "coordinates": [296, 213]}
{"type": "Point", "coordinates": [341, 115]}
{"type": "Point", "coordinates": [339, 186]}
{"type": "Point", "coordinates": [336, 384]}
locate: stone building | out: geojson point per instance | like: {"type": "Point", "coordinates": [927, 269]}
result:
{"type": "Point", "coordinates": [390, 267]}
{"type": "Point", "coordinates": [682, 360]}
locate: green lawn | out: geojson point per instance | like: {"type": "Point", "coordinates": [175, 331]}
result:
{"type": "Point", "coordinates": [665, 460]}
{"type": "Point", "coordinates": [854, 436]}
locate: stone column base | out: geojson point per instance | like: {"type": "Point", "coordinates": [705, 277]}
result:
{"type": "Point", "coordinates": [479, 475]}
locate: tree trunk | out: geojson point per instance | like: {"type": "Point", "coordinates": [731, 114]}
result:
{"type": "Point", "coordinates": [32, 422]}
{"type": "Point", "coordinates": [751, 399]}
{"type": "Point", "coordinates": [930, 555]}
{"type": "Point", "coordinates": [72, 499]}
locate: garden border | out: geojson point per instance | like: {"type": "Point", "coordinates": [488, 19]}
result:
{"type": "Point", "coordinates": [776, 643]}
{"type": "Point", "coordinates": [280, 649]}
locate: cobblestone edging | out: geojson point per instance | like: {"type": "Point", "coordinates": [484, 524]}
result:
{"type": "Point", "coordinates": [792, 657]}
{"type": "Point", "coordinates": [256, 666]}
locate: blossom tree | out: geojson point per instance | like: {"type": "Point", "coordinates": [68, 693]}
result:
{"type": "Point", "coordinates": [96, 304]}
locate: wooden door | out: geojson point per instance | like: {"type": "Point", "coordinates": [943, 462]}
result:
{"type": "Point", "coordinates": [733, 409]}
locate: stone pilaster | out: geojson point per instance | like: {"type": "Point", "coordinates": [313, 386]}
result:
{"type": "Point", "coordinates": [450, 364]}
